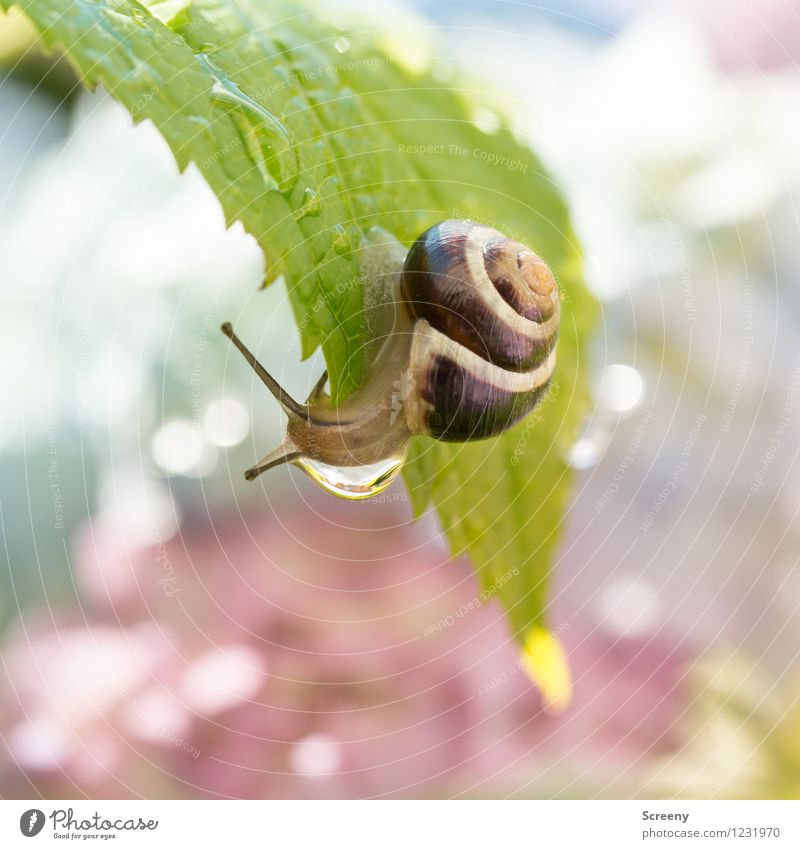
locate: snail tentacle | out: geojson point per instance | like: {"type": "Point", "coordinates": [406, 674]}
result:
{"type": "Point", "coordinates": [286, 401]}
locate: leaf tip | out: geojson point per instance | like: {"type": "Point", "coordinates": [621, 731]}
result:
{"type": "Point", "coordinates": [545, 662]}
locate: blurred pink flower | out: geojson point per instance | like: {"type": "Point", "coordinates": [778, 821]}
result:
{"type": "Point", "coordinates": [256, 658]}
{"type": "Point", "coordinates": [751, 35]}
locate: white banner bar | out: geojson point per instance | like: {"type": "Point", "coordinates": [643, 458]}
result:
{"type": "Point", "coordinates": [401, 824]}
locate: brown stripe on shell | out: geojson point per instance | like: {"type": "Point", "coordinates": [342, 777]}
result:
{"type": "Point", "coordinates": [454, 394]}
{"type": "Point", "coordinates": [463, 407]}
{"type": "Point", "coordinates": [437, 285]}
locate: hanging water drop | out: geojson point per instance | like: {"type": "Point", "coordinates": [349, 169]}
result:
{"type": "Point", "coordinates": [352, 482]}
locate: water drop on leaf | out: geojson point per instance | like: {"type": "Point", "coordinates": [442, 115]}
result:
{"type": "Point", "coordinates": [342, 242]}
{"type": "Point", "coordinates": [265, 135]}
{"type": "Point", "coordinates": [312, 205]}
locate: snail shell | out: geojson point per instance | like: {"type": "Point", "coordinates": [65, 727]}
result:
{"type": "Point", "coordinates": [469, 349]}
{"type": "Point", "coordinates": [486, 312]}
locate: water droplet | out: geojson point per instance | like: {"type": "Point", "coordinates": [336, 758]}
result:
{"type": "Point", "coordinates": [264, 134]}
{"type": "Point", "coordinates": [342, 242]}
{"type": "Point", "coordinates": [139, 16]}
{"type": "Point", "coordinates": [352, 482]}
{"type": "Point", "coordinates": [342, 44]}
{"type": "Point", "coordinates": [312, 205]}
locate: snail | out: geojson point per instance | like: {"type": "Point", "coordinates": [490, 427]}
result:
{"type": "Point", "coordinates": [461, 345]}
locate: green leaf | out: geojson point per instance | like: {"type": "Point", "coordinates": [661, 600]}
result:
{"type": "Point", "coordinates": [310, 134]}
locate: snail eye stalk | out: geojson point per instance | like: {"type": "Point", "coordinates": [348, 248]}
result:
{"type": "Point", "coordinates": [283, 398]}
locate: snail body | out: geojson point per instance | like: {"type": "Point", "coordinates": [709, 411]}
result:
{"type": "Point", "coordinates": [463, 347]}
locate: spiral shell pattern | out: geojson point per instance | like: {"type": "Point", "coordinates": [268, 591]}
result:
{"type": "Point", "coordinates": [486, 312]}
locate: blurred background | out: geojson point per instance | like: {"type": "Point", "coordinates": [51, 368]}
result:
{"type": "Point", "coordinates": [168, 630]}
